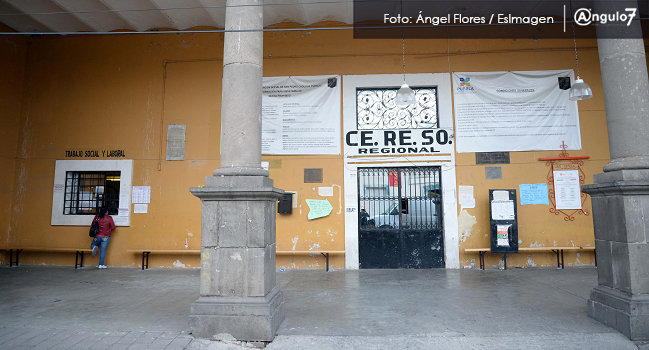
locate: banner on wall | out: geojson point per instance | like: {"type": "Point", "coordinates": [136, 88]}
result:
{"type": "Point", "coordinates": [514, 111]}
{"type": "Point", "coordinates": [301, 115]}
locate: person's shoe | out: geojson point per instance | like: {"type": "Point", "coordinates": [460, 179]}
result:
{"type": "Point", "coordinates": [94, 250]}
{"type": "Point", "coordinates": [102, 266]}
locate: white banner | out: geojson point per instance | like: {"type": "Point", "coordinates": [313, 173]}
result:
{"type": "Point", "coordinates": [301, 115]}
{"type": "Point", "coordinates": [514, 111]}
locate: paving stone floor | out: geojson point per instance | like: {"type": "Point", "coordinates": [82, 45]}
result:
{"type": "Point", "coordinates": [43, 307]}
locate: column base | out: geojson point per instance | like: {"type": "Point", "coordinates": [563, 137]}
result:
{"type": "Point", "coordinates": [627, 314]}
{"type": "Point", "coordinates": [620, 202]}
{"type": "Point", "coordinates": [250, 319]}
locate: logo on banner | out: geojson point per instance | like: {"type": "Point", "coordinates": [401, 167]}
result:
{"type": "Point", "coordinates": [465, 85]}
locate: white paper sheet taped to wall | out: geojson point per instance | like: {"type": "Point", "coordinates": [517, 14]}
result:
{"type": "Point", "coordinates": [465, 197]}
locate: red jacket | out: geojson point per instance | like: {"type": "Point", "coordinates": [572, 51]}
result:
{"type": "Point", "coordinates": [106, 225]}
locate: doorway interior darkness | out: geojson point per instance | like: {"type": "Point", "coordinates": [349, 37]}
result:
{"type": "Point", "coordinates": [400, 218]}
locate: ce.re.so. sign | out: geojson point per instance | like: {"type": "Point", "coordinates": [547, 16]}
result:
{"type": "Point", "coordinates": [398, 142]}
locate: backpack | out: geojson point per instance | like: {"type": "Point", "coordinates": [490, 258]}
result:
{"type": "Point", "coordinates": [94, 228]}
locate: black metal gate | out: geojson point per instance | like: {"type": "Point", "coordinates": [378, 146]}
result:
{"type": "Point", "coordinates": [400, 218]}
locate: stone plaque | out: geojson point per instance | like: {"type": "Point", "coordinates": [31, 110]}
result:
{"type": "Point", "coordinates": [492, 157]}
{"type": "Point", "coordinates": [493, 172]}
{"type": "Point", "coordinates": [176, 142]}
{"type": "Point", "coordinates": [313, 175]}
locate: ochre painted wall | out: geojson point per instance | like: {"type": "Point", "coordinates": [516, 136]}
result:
{"type": "Point", "coordinates": [12, 64]}
{"type": "Point", "coordinates": [121, 92]}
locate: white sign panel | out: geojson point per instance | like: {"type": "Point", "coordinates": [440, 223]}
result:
{"type": "Point", "coordinates": [567, 191]}
{"type": "Point", "coordinates": [398, 142]}
{"type": "Point", "coordinates": [301, 115]}
{"type": "Point", "coordinates": [514, 111]}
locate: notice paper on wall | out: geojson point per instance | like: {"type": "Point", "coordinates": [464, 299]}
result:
{"type": "Point", "coordinates": [318, 208]}
{"type": "Point", "coordinates": [514, 111]}
{"type": "Point", "coordinates": [533, 193]}
{"type": "Point", "coordinates": [502, 210]}
{"type": "Point", "coordinates": [502, 238]}
{"type": "Point", "coordinates": [122, 217]}
{"type": "Point", "coordinates": [141, 194]}
{"type": "Point", "coordinates": [567, 190]}
{"type": "Point", "coordinates": [140, 208]}
{"type": "Point", "coordinates": [301, 115]}
{"type": "Point", "coordinates": [326, 191]}
{"type": "Point", "coordinates": [465, 197]}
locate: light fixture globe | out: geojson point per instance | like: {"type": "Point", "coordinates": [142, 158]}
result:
{"type": "Point", "coordinates": [405, 96]}
{"type": "Point", "coordinates": [580, 90]}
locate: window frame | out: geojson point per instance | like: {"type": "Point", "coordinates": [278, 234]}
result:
{"type": "Point", "coordinates": [124, 166]}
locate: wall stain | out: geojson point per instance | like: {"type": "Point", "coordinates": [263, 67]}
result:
{"type": "Point", "coordinates": [465, 223]}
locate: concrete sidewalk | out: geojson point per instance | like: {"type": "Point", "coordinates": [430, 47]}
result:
{"type": "Point", "coordinates": [123, 308]}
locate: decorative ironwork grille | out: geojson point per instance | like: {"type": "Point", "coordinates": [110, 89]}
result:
{"type": "Point", "coordinates": [87, 192]}
{"type": "Point", "coordinates": [376, 109]}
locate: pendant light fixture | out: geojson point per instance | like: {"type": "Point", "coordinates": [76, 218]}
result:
{"type": "Point", "coordinates": [405, 96]}
{"type": "Point", "coordinates": [579, 90]}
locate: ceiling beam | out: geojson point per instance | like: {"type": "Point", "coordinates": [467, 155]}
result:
{"type": "Point", "coordinates": [38, 11]}
{"type": "Point", "coordinates": [94, 14]}
{"type": "Point", "coordinates": [141, 15]}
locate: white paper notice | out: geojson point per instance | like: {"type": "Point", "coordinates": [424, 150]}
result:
{"type": "Point", "coordinates": [141, 194]}
{"type": "Point", "coordinates": [502, 210]}
{"type": "Point", "coordinates": [514, 111]}
{"type": "Point", "coordinates": [567, 191]}
{"type": "Point", "coordinates": [122, 217]}
{"type": "Point", "coordinates": [466, 197]}
{"type": "Point", "coordinates": [301, 115]}
{"type": "Point", "coordinates": [140, 208]}
{"type": "Point", "coordinates": [500, 195]}
{"type": "Point", "coordinates": [326, 191]}
{"type": "Point", "coordinates": [265, 165]}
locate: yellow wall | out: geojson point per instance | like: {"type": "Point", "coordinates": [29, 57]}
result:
{"type": "Point", "coordinates": [121, 92]}
{"type": "Point", "coordinates": [12, 63]}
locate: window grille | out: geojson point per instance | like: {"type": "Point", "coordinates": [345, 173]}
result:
{"type": "Point", "coordinates": [376, 109]}
{"type": "Point", "coordinates": [86, 192]}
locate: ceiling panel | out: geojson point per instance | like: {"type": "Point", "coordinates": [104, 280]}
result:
{"type": "Point", "coordinates": [142, 15]}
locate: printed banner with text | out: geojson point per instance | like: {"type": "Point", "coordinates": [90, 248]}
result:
{"type": "Point", "coordinates": [515, 111]}
{"type": "Point", "coordinates": [301, 115]}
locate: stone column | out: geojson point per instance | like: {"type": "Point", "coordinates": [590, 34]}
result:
{"type": "Point", "coordinates": [620, 195]}
{"type": "Point", "coordinates": [238, 293]}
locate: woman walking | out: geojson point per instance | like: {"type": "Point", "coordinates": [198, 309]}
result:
{"type": "Point", "coordinates": [100, 242]}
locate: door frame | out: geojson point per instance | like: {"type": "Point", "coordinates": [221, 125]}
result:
{"type": "Point", "coordinates": [447, 161]}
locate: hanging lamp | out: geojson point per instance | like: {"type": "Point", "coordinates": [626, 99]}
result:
{"type": "Point", "coordinates": [405, 96]}
{"type": "Point", "coordinates": [579, 90]}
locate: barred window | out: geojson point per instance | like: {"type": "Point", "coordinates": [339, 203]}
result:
{"type": "Point", "coordinates": [87, 191]}
{"type": "Point", "coordinates": [377, 109]}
